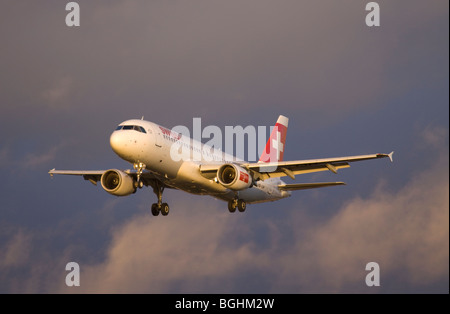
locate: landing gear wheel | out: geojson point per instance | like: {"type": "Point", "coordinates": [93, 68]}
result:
{"type": "Point", "coordinates": [241, 205]}
{"type": "Point", "coordinates": [232, 206]}
{"type": "Point", "coordinates": [165, 209]}
{"type": "Point", "coordinates": [155, 209]}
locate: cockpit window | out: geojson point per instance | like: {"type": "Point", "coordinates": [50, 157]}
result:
{"type": "Point", "coordinates": [131, 127]}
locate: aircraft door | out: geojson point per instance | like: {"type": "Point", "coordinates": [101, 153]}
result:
{"type": "Point", "coordinates": [158, 136]}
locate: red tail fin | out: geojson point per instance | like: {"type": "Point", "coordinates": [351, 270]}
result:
{"type": "Point", "coordinates": [275, 146]}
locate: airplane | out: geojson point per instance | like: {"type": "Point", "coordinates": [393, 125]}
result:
{"type": "Point", "coordinates": [147, 146]}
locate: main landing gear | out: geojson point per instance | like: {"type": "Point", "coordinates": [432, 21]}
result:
{"type": "Point", "coordinates": [240, 204]}
{"type": "Point", "coordinates": [159, 207]}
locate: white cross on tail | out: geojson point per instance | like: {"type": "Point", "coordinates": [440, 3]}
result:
{"type": "Point", "coordinates": [278, 145]}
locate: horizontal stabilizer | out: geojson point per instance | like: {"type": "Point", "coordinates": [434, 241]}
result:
{"type": "Point", "coordinates": [305, 186]}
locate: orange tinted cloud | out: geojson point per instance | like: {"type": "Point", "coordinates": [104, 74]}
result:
{"type": "Point", "coordinates": [405, 231]}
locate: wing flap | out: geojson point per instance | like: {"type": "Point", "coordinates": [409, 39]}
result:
{"type": "Point", "coordinates": [300, 170]}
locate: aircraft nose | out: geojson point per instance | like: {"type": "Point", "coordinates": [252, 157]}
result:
{"type": "Point", "coordinates": [117, 142]}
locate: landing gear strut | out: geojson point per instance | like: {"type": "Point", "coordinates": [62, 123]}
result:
{"type": "Point", "coordinates": [158, 189]}
{"type": "Point", "coordinates": [139, 167]}
{"type": "Point", "coordinates": [240, 204]}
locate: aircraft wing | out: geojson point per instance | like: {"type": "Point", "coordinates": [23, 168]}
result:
{"type": "Point", "coordinates": [305, 186]}
{"type": "Point", "coordinates": [291, 168]}
{"type": "Point", "coordinates": [92, 176]}
{"type": "Point", "coordinates": [263, 171]}
{"type": "Point", "coordinates": [95, 175]}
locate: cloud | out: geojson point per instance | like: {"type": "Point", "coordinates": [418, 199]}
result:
{"type": "Point", "coordinates": [434, 137]}
{"type": "Point", "coordinates": [32, 160]}
{"type": "Point", "coordinates": [33, 260]}
{"type": "Point", "coordinates": [201, 248]}
{"type": "Point", "coordinates": [16, 251]}
{"type": "Point", "coordinates": [9, 158]}
{"type": "Point", "coordinates": [4, 156]}
{"type": "Point", "coordinates": [15, 258]}
{"type": "Point", "coordinates": [405, 231]}
{"type": "Point", "coordinates": [57, 95]}
{"type": "Point", "coordinates": [314, 61]}
{"type": "Point", "coordinates": [259, 56]}
{"type": "Point", "coordinates": [183, 253]}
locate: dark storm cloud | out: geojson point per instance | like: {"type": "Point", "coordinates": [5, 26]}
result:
{"type": "Point", "coordinates": [406, 232]}
{"type": "Point", "coordinates": [347, 88]}
{"type": "Point", "coordinates": [317, 57]}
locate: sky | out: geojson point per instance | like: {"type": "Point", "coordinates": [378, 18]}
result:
{"type": "Point", "coordinates": [347, 89]}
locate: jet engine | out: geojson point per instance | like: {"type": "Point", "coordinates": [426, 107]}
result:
{"type": "Point", "coordinates": [117, 183]}
{"type": "Point", "coordinates": [234, 177]}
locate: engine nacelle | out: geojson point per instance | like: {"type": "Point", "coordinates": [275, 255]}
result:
{"type": "Point", "coordinates": [234, 177]}
{"type": "Point", "coordinates": [117, 183]}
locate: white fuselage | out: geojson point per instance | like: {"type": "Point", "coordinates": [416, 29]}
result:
{"type": "Point", "coordinates": [153, 148]}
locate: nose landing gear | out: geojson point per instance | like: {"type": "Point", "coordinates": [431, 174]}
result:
{"type": "Point", "coordinates": [139, 167]}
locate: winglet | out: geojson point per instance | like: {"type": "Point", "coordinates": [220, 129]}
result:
{"type": "Point", "coordinates": [386, 155]}
{"type": "Point", "coordinates": [51, 172]}
{"type": "Point", "coordinates": [390, 156]}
